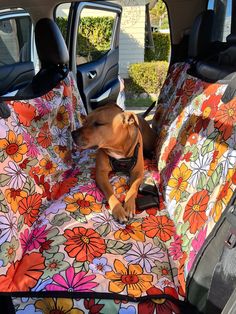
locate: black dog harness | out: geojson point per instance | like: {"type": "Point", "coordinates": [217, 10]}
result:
{"type": "Point", "coordinates": [125, 164]}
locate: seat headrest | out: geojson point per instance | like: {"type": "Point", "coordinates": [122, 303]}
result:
{"type": "Point", "coordinates": [231, 39]}
{"type": "Point", "coordinates": [50, 44]}
{"type": "Point", "coordinates": [201, 34]}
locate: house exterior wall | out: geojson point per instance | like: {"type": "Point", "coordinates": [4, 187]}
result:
{"type": "Point", "coordinates": [132, 35]}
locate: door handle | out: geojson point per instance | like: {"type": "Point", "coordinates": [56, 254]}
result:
{"type": "Point", "coordinates": [92, 74]}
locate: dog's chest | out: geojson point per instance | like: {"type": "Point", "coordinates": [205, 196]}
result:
{"type": "Point", "coordinates": [115, 155]}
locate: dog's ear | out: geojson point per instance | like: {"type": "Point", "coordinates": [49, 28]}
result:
{"type": "Point", "coordinates": [130, 118]}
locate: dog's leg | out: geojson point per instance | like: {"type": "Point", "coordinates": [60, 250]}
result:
{"type": "Point", "coordinates": [136, 178]}
{"type": "Point", "coordinates": [102, 172]}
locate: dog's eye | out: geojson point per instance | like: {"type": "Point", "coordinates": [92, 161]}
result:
{"type": "Point", "coordinates": [97, 124]}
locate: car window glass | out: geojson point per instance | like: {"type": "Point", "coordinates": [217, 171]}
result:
{"type": "Point", "coordinates": [222, 24]}
{"type": "Point", "coordinates": [15, 37]}
{"type": "Point", "coordinates": [95, 32]}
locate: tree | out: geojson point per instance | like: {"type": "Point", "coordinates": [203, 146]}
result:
{"type": "Point", "coordinates": [158, 13]}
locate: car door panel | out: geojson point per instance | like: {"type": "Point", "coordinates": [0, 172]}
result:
{"type": "Point", "coordinates": [97, 80]}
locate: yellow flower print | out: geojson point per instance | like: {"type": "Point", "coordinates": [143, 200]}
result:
{"type": "Point", "coordinates": [220, 149]}
{"type": "Point", "coordinates": [132, 231]}
{"type": "Point", "coordinates": [13, 197]}
{"type": "Point", "coordinates": [62, 118]}
{"type": "Point", "coordinates": [47, 166]}
{"type": "Point", "coordinates": [131, 279]}
{"type": "Point", "coordinates": [57, 305]}
{"type": "Point", "coordinates": [179, 181]}
{"type": "Point", "coordinates": [14, 146]}
{"type": "Point", "coordinates": [222, 200]}
{"type": "Point", "coordinates": [85, 204]}
{"type": "Point", "coordinates": [121, 186]}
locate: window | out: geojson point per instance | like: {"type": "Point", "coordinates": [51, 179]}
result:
{"type": "Point", "coordinates": [15, 37]}
{"type": "Point", "coordinates": [223, 13]}
{"type": "Point", "coordinates": [95, 32]}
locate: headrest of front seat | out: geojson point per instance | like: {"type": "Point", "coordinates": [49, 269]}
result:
{"type": "Point", "coordinates": [201, 35]}
{"type": "Point", "coordinates": [50, 44]}
{"type": "Point", "coordinates": [231, 39]}
{"type": "Point", "coordinates": [228, 56]}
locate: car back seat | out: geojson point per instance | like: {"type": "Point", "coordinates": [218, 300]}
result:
{"type": "Point", "coordinates": [197, 158]}
{"type": "Point", "coordinates": [199, 47]}
{"type": "Point", "coordinates": [71, 244]}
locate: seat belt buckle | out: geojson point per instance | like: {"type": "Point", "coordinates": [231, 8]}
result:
{"type": "Point", "coordinates": [231, 239]}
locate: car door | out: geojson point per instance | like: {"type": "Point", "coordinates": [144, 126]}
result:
{"type": "Point", "coordinates": [93, 42]}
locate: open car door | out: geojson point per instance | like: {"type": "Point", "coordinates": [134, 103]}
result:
{"type": "Point", "coordinates": [94, 58]}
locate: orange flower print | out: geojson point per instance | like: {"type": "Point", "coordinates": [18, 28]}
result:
{"type": "Point", "coordinates": [225, 119]}
{"type": "Point", "coordinates": [85, 204]}
{"type": "Point", "coordinates": [131, 231]}
{"type": "Point", "coordinates": [192, 139]}
{"type": "Point", "coordinates": [44, 137]}
{"type": "Point", "coordinates": [47, 166]}
{"type": "Point", "coordinates": [121, 186]}
{"type": "Point", "coordinates": [13, 146]}
{"type": "Point", "coordinates": [34, 171]}
{"type": "Point", "coordinates": [84, 244]}
{"type": "Point", "coordinates": [13, 197]}
{"type": "Point", "coordinates": [63, 152]}
{"type": "Point", "coordinates": [222, 200]}
{"type": "Point", "coordinates": [132, 279]}
{"type": "Point", "coordinates": [195, 210]}
{"type": "Point", "coordinates": [179, 181]}
{"type": "Point", "coordinates": [209, 106]}
{"type": "Point", "coordinates": [158, 226]}
{"type": "Point", "coordinates": [169, 148]}
{"type": "Point", "coordinates": [29, 208]}
{"type": "Point", "coordinates": [26, 112]}
{"type": "Point", "coordinates": [210, 89]}
{"type": "Point", "coordinates": [62, 118]}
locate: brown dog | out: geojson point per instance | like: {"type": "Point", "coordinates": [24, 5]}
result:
{"type": "Point", "coordinates": [118, 135]}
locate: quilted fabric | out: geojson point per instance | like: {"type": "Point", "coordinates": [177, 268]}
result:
{"type": "Point", "coordinates": [58, 234]}
{"type": "Point", "coordinates": [197, 164]}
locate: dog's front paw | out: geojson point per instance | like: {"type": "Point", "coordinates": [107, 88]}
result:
{"type": "Point", "coordinates": [130, 207]}
{"type": "Point", "coordinates": [119, 213]}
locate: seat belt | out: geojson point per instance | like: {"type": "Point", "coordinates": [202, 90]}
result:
{"type": "Point", "coordinates": [223, 281]}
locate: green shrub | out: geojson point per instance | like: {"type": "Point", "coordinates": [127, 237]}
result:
{"type": "Point", "coordinates": [162, 48]}
{"type": "Point", "coordinates": [94, 33]}
{"type": "Point", "coordinates": [62, 24]}
{"type": "Point", "coordinates": [147, 77]}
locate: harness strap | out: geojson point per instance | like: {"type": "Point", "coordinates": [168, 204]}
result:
{"type": "Point", "coordinates": [124, 164]}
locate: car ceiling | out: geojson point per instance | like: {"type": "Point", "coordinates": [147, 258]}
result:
{"type": "Point", "coordinates": [181, 12]}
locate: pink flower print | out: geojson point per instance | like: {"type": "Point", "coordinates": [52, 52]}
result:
{"type": "Point", "coordinates": [30, 241]}
{"type": "Point", "coordinates": [72, 282]}
{"type": "Point", "coordinates": [43, 107]}
{"type": "Point", "coordinates": [32, 148]}
{"type": "Point", "coordinates": [175, 248]}
{"type": "Point", "coordinates": [196, 245]}
{"type": "Point", "coordinates": [93, 190]}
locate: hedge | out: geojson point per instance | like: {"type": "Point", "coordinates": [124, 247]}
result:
{"type": "Point", "coordinates": [94, 34]}
{"type": "Point", "coordinates": [147, 77]}
{"type": "Point", "coordinates": [162, 48]}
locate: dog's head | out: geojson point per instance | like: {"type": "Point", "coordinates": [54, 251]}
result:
{"type": "Point", "coordinates": [104, 127]}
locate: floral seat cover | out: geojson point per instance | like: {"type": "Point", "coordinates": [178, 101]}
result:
{"type": "Point", "coordinates": [57, 232]}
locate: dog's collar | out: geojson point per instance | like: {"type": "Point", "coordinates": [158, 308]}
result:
{"type": "Point", "coordinates": [124, 164]}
